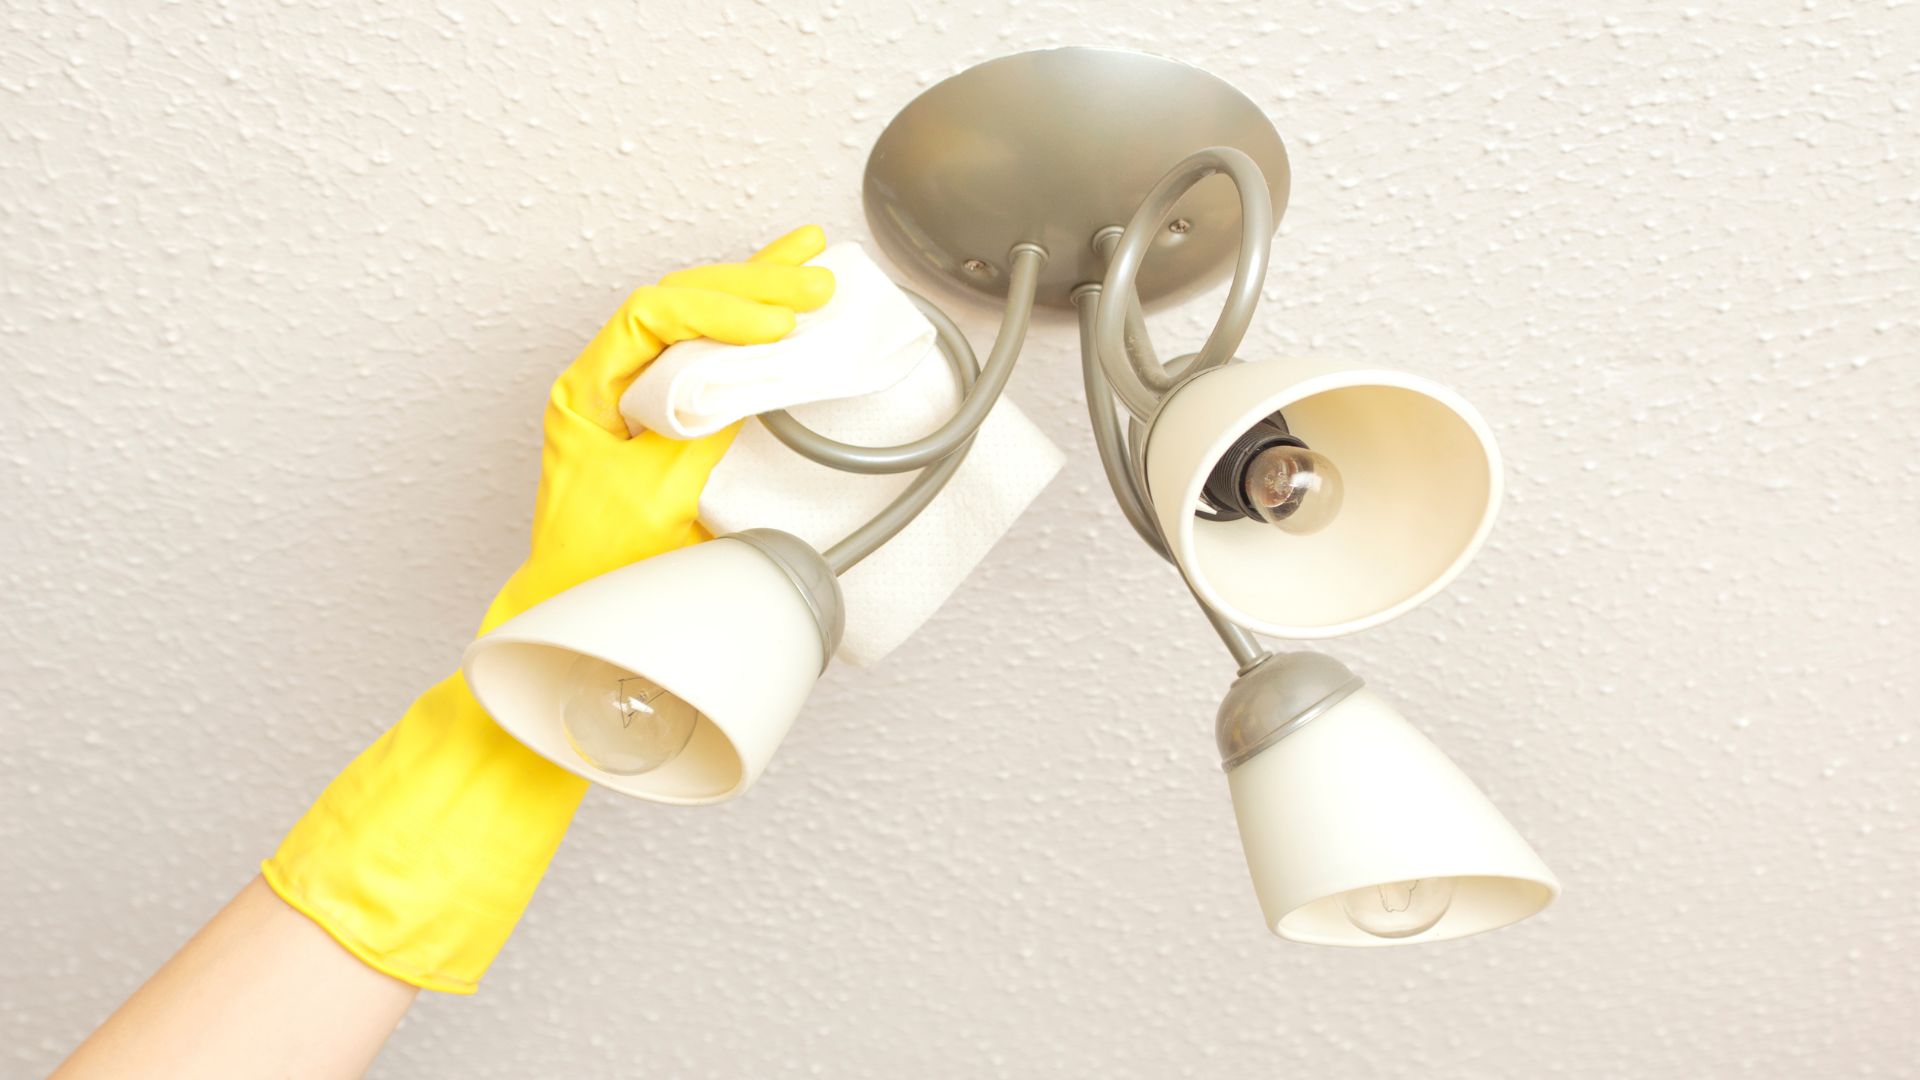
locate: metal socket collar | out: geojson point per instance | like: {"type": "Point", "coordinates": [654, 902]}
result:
{"type": "Point", "coordinates": [1275, 698]}
{"type": "Point", "coordinates": [811, 577]}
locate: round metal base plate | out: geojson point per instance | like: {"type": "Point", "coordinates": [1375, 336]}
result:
{"type": "Point", "coordinates": [1050, 147]}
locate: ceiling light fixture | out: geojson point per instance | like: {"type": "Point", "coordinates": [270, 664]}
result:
{"type": "Point", "coordinates": [1298, 498]}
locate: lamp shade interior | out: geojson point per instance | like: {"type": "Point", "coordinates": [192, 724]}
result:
{"type": "Point", "coordinates": [1480, 903]}
{"type": "Point", "coordinates": [531, 688]}
{"type": "Point", "coordinates": [718, 625]}
{"type": "Point", "coordinates": [1421, 481]}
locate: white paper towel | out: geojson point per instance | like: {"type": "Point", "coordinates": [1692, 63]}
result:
{"type": "Point", "coordinates": [865, 339]}
{"type": "Point", "coordinates": [893, 591]}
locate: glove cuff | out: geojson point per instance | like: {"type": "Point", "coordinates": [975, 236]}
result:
{"type": "Point", "coordinates": [422, 855]}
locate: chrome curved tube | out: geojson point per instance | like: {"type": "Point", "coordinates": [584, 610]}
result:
{"type": "Point", "coordinates": [1123, 472]}
{"type": "Point", "coordinates": [1105, 420]}
{"type": "Point", "coordinates": [1139, 383]}
{"type": "Point", "coordinates": [1139, 343]}
{"type": "Point", "coordinates": [917, 495]}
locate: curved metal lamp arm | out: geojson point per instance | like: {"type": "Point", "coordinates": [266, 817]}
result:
{"type": "Point", "coordinates": [1123, 478]}
{"type": "Point", "coordinates": [1245, 648]}
{"type": "Point", "coordinates": [1022, 280]}
{"type": "Point", "coordinates": [941, 453]}
{"type": "Point", "coordinates": [1107, 437]}
{"type": "Point", "coordinates": [1139, 343]}
{"type": "Point", "coordinates": [1136, 375]}
{"type": "Point", "coordinates": [906, 506]}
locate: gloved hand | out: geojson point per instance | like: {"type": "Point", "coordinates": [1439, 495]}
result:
{"type": "Point", "coordinates": [421, 856]}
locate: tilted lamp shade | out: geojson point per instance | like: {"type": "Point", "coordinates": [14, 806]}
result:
{"type": "Point", "coordinates": [718, 624]}
{"type": "Point", "coordinates": [1421, 477]}
{"type": "Point", "coordinates": [1356, 797]}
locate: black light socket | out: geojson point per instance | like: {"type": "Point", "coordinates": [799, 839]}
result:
{"type": "Point", "coordinates": [1225, 490]}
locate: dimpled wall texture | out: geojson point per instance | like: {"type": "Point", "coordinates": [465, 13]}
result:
{"type": "Point", "coordinates": [283, 287]}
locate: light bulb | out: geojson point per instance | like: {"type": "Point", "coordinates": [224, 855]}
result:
{"type": "Point", "coordinates": [1398, 909]}
{"type": "Point", "coordinates": [1295, 489]}
{"type": "Point", "coordinates": [621, 722]}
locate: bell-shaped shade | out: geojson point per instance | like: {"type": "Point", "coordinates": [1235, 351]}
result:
{"type": "Point", "coordinates": [1355, 797]}
{"type": "Point", "coordinates": [1421, 480]}
{"type": "Point", "coordinates": [720, 625]}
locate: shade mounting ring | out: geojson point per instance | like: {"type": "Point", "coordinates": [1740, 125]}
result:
{"type": "Point", "coordinates": [1049, 148]}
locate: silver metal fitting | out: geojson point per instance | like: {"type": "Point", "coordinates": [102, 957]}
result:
{"type": "Point", "coordinates": [811, 578]}
{"type": "Point", "coordinates": [1275, 698]}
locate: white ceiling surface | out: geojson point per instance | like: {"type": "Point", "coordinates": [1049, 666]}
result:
{"type": "Point", "coordinates": [283, 288]}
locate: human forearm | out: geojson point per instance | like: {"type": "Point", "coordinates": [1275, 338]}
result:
{"type": "Point", "coordinates": [259, 991]}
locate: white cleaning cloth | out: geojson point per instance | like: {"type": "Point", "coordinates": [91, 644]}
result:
{"type": "Point", "coordinates": [893, 591]}
{"type": "Point", "coordinates": [867, 338]}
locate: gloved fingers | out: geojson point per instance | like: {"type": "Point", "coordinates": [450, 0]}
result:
{"type": "Point", "coordinates": [802, 288]}
{"type": "Point", "coordinates": [798, 246]}
{"type": "Point", "coordinates": [675, 314]}
{"type": "Point", "coordinates": [654, 317]}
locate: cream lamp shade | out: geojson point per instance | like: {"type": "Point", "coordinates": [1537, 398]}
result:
{"type": "Point", "coordinates": [728, 626]}
{"type": "Point", "coordinates": [1421, 476]}
{"type": "Point", "coordinates": [1336, 794]}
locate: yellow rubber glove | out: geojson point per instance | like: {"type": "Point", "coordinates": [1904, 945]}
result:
{"type": "Point", "coordinates": [421, 856]}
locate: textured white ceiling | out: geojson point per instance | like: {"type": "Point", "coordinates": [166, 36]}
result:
{"type": "Point", "coordinates": [284, 284]}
